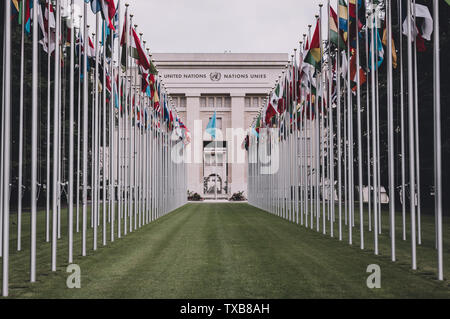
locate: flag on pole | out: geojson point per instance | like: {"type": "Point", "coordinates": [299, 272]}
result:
{"type": "Point", "coordinates": [28, 7]}
{"type": "Point", "coordinates": [394, 52]}
{"type": "Point", "coordinates": [335, 37]}
{"type": "Point", "coordinates": [50, 15]}
{"type": "Point", "coordinates": [16, 8]}
{"type": "Point", "coordinates": [353, 74]}
{"type": "Point", "coordinates": [343, 15]}
{"type": "Point", "coordinates": [379, 46]}
{"type": "Point", "coordinates": [313, 57]}
{"type": "Point", "coordinates": [96, 6]}
{"type": "Point", "coordinates": [108, 12]}
{"type": "Point", "coordinates": [426, 28]}
{"type": "Point", "coordinates": [211, 127]}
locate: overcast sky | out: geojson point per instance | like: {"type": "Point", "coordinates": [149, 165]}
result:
{"type": "Point", "coordinates": [213, 26]}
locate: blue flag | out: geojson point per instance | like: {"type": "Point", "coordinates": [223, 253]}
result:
{"type": "Point", "coordinates": [211, 128]}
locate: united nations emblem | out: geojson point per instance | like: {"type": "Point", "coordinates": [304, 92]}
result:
{"type": "Point", "coordinates": [215, 76]}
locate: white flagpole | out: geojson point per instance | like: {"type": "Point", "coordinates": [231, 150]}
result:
{"type": "Point", "coordinates": [85, 130]}
{"type": "Point", "coordinates": [351, 189]}
{"type": "Point", "coordinates": [7, 147]}
{"type": "Point", "coordinates": [416, 135]}
{"type": "Point", "coordinates": [55, 136]}
{"type": "Point", "coordinates": [402, 123]}
{"type": "Point", "coordinates": [71, 133]}
{"type": "Point", "coordinates": [411, 140]}
{"type": "Point", "coordinates": [374, 142]}
{"type": "Point", "coordinates": [369, 190]}
{"type": "Point", "coordinates": [390, 105]}
{"type": "Point", "coordinates": [104, 107]}
{"type": "Point", "coordinates": [95, 148]}
{"type": "Point", "coordinates": [79, 131]}
{"type": "Point", "coordinates": [112, 146]}
{"type": "Point", "coordinates": [358, 101]}
{"type": "Point", "coordinates": [2, 143]}
{"type": "Point", "coordinates": [339, 129]}
{"type": "Point", "coordinates": [49, 61]}
{"type": "Point", "coordinates": [437, 140]}
{"type": "Point", "coordinates": [20, 167]}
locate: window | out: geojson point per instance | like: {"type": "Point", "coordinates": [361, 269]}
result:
{"type": "Point", "coordinates": [210, 102]}
{"type": "Point", "coordinates": [218, 122]}
{"type": "Point", "coordinates": [248, 102]}
{"type": "Point", "coordinates": [179, 101]}
{"type": "Point", "coordinates": [254, 101]}
{"type": "Point", "coordinates": [203, 102]}
{"type": "Point", "coordinates": [215, 102]}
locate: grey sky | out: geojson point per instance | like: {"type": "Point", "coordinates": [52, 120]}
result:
{"type": "Point", "coordinates": [213, 26]}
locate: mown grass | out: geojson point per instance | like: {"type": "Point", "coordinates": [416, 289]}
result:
{"type": "Point", "coordinates": [230, 251]}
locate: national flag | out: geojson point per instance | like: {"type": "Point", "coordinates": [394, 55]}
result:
{"type": "Point", "coordinates": [48, 42]}
{"type": "Point", "coordinates": [353, 74]}
{"type": "Point", "coordinates": [394, 52]}
{"type": "Point", "coordinates": [96, 6]}
{"type": "Point", "coordinates": [116, 21]}
{"type": "Point", "coordinates": [343, 16]}
{"type": "Point", "coordinates": [91, 49]}
{"type": "Point", "coordinates": [28, 7]}
{"type": "Point", "coordinates": [108, 12]}
{"type": "Point", "coordinates": [314, 55]}
{"type": "Point", "coordinates": [50, 15]}
{"type": "Point", "coordinates": [426, 28]}
{"type": "Point", "coordinates": [380, 55]}
{"type": "Point", "coordinates": [211, 127]}
{"type": "Point", "coordinates": [136, 51]}
{"type": "Point", "coordinates": [16, 8]}
{"type": "Point", "coordinates": [335, 36]}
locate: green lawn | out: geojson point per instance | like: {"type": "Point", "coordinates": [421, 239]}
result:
{"type": "Point", "coordinates": [229, 251]}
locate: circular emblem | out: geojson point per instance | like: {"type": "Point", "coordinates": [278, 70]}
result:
{"type": "Point", "coordinates": [215, 76]}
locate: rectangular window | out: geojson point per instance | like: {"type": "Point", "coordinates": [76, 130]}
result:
{"type": "Point", "coordinates": [248, 102]}
{"type": "Point", "coordinates": [183, 101]}
{"type": "Point", "coordinates": [203, 102]}
{"type": "Point", "coordinates": [255, 102]}
{"type": "Point", "coordinates": [219, 101]}
{"type": "Point", "coordinates": [228, 102]}
{"type": "Point", "coordinates": [210, 102]}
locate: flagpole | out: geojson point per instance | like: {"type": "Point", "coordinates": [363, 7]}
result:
{"type": "Point", "coordinates": [112, 148]}
{"type": "Point", "coordinates": [80, 56]}
{"type": "Point", "coordinates": [85, 130]}
{"type": "Point", "coordinates": [339, 128]}
{"type": "Point", "coordinates": [7, 146]}
{"type": "Point", "coordinates": [349, 136]}
{"type": "Point", "coordinates": [390, 105]}
{"type": "Point", "coordinates": [369, 188]}
{"type": "Point", "coordinates": [402, 123]}
{"type": "Point", "coordinates": [94, 189]}
{"type": "Point", "coordinates": [55, 136]}
{"type": "Point", "coordinates": [48, 188]}
{"type": "Point", "coordinates": [374, 145]}
{"type": "Point", "coordinates": [358, 101]}
{"type": "Point", "coordinates": [411, 140]}
{"type": "Point", "coordinates": [20, 165]}
{"type": "Point", "coordinates": [437, 141]}
{"type": "Point", "coordinates": [71, 133]}
{"type": "Point", "coordinates": [104, 107]}
{"type": "Point", "coordinates": [416, 132]}
{"type": "Point", "coordinates": [3, 141]}
{"type": "Point", "coordinates": [331, 125]}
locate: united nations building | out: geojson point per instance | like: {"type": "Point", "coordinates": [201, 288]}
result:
{"type": "Point", "coordinates": [233, 85]}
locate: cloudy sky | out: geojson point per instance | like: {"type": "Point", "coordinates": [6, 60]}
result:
{"type": "Point", "coordinates": [214, 26]}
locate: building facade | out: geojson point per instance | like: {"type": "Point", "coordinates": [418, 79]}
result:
{"type": "Point", "coordinates": [235, 87]}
